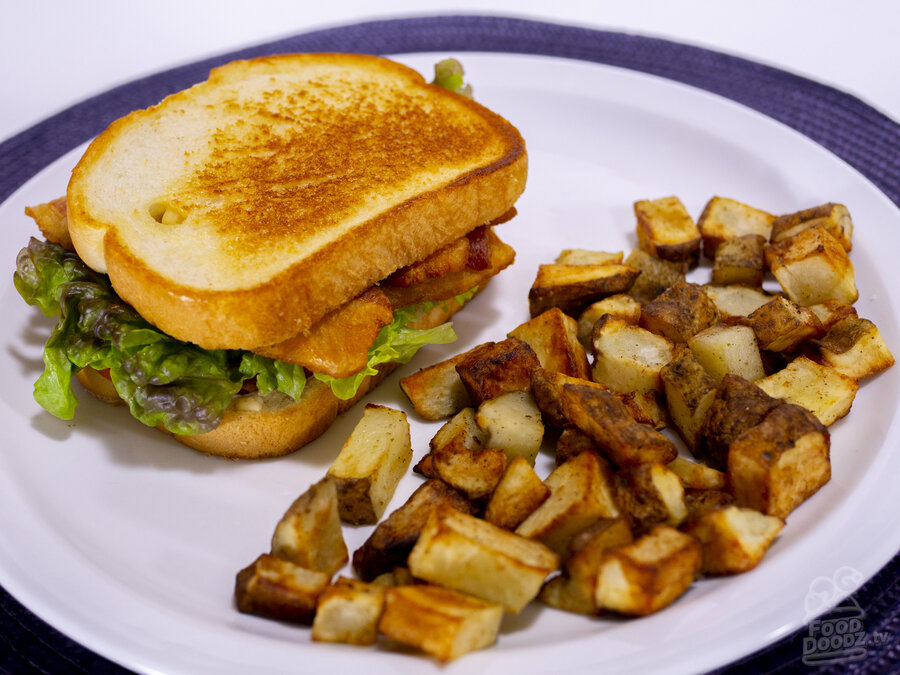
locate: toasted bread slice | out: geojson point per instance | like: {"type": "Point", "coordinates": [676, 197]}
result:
{"type": "Point", "coordinates": [233, 214]}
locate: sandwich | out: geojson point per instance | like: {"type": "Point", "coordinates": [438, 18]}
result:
{"type": "Point", "coordinates": [242, 262]}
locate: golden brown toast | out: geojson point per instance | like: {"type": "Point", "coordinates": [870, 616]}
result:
{"type": "Point", "coordinates": [239, 212]}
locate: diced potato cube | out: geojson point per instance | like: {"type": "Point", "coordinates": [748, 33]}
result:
{"type": "Point", "coordinates": [650, 494]}
{"type": "Point", "coordinates": [512, 423]}
{"type": "Point", "coordinates": [822, 390]}
{"type": "Point", "coordinates": [812, 267]}
{"type": "Point", "coordinates": [834, 218]}
{"type": "Point", "coordinates": [581, 492]}
{"type": "Point", "coordinates": [723, 349]}
{"type": "Point", "coordinates": [573, 590]}
{"type": "Point", "coordinates": [656, 275]}
{"type": "Point", "coordinates": [441, 622]}
{"type": "Point", "coordinates": [470, 555]}
{"type": "Point", "coordinates": [309, 534]}
{"type": "Point", "coordinates": [855, 348]}
{"type": "Point", "coordinates": [348, 612]}
{"type": "Point", "coordinates": [606, 420]}
{"type": "Point", "coordinates": [734, 539]}
{"type": "Point", "coordinates": [689, 391]}
{"type": "Point", "coordinates": [580, 256]}
{"type": "Point", "coordinates": [496, 368]}
{"type": "Point", "coordinates": [437, 392]}
{"type": "Point", "coordinates": [679, 312]}
{"type": "Point", "coordinates": [621, 306]}
{"type": "Point", "coordinates": [571, 288]}
{"type": "Point", "coordinates": [554, 338]}
{"type": "Point", "coordinates": [778, 464]}
{"type": "Point", "coordinates": [725, 218]}
{"type": "Point", "coordinates": [699, 502]}
{"type": "Point", "coordinates": [736, 302]}
{"type": "Point", "coordinates": [781, 324]}
{"type": "Point", "coordinates": [666, 230]}
{"type": "Point", "coordinates": [460, 431]}
{"type": "Point", "coordinates": [628, 358]}
{"type": "Point", "coordinates": [698, 476]}
{"type": "Point", "coordinates": [738, 405]}
{"type": "Point", "coordinates": [475, 473]}
{"type": "Point", "coordinates": [393, 538]}
{"type": "Point", "coordinates": [519, 492]}
{"type": "Point", "coordinates": [830, 312]}
{"type": "Point", "coordinates": [279, 589]}
{"type": "Point", "coordinates": [572, 442]}
{"type": "Point", "coordinates": [371, 463]}
{"type": "Point", "coordinates": [740, 261]}
{"type": "Point", "coordinates": [649, 574]}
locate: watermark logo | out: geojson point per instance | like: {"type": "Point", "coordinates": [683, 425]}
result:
{"type": "Point", "coordinates": [839, 635]}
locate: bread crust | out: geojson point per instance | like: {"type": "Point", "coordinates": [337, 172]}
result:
{"type": "Point", "coordinates": [276, 431]}
{"type": "Point", "coordinates": [291, 300]}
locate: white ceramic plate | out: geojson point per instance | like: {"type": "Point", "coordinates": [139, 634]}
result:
{"type": "Point", "coordinates": [129, 543]}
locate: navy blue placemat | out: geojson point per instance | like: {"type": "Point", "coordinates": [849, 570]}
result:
{"type": "Point", "coordinates": [854, 131]}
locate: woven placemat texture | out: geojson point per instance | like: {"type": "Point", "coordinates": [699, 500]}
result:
{"type": "Point", "coordinates": [863, 137]}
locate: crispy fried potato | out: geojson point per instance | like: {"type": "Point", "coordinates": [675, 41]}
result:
{"type": "Point", "coordinates": [519, 492]}
{"type": "Point", "coordinates": [740, 261]}
{"type": "Point", "coordinates": [371, 463]}
{"type": "Point", "coordinates": [656, 275]}
{"type": "Point", "coordinates": [725, 349]}
{"type": "Point", "coordinates": [393, 538]}
{"type": "Point", "coordinates": [309, 534]}
{"type": "Point", "coordinates": [348, 611]}
{"type": "Point", "coordinates": [605, 419]}
{"type": "Point", "coordinates": [496, 368]}
{"type": "Point", "coordinates": [778, 464]}
{"type": "Point", "coordinates": [621, 306]}
{"type": "Point", "coordinates": [666, 230]}
{"type": "Point", "coordinates": [650, 494]}
{"type": "Point", "coordinates": [437, 391]}
{"type": "Point", "coordinates": [279, 589]}
{"type": "Point", "coordinates": [460, 431]}
{"type": "Point", "coordinates": [697, 476]}
{"type": "Point", "coordinates": [554, 338]}
{"type": "Point", "coordinates": [855, 348]}
{"type": "Point", "coordinates": [689, 391]}
{"type": "Point", "coordinates": [679, 312]}
{"type": "Point", "coordinates": [812, 266]}
{"type": "Point", "coordinates": [580, 256]}
{"type": "Point", "coordinates": [822, 390]}
{"type": "Point", "coordinates": [834, 218]}
{"type": "Point", "coordinates": [699, 502]}
{"type": "Point", "coordinates": [474, 472]}
{"type": "Point", "coordinates": [573, 442]}
{"type": "Point", "coordinates": [643, 577]}
{"type": "Point", "coordinates": [571, 288]}
{"type": "Point", "coordinates": [573, 590]}
{"type": "Point", "coordinates": [734, 539]}
{"type": "Point", "coordinates": [725, 218]}
{"type": "Point", "coordinates": [473, 556]}
{"type": "Point", "coordinates": [830, 312]}
{"type": "Point", "coordinates": [628, 358]}
{"type": "Point", "coordinates": [581, 492]}
{"type": "Point", "coordinates": [736, 302]}
{"type": "Point", "coordinates": [738, 405]}
{"type": "Point", "coordinates": [781, 324]}
{"type": "Point", "coordinates": [512, 423]}
{"type": "Point", "coordinates": [439, 621]}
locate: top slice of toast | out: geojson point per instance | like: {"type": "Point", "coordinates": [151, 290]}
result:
{"type": "Point", "coordinates": [237, 213]}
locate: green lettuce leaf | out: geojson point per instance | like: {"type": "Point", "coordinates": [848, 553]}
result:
{"type": "Point", "coordinates": [165, 381]}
